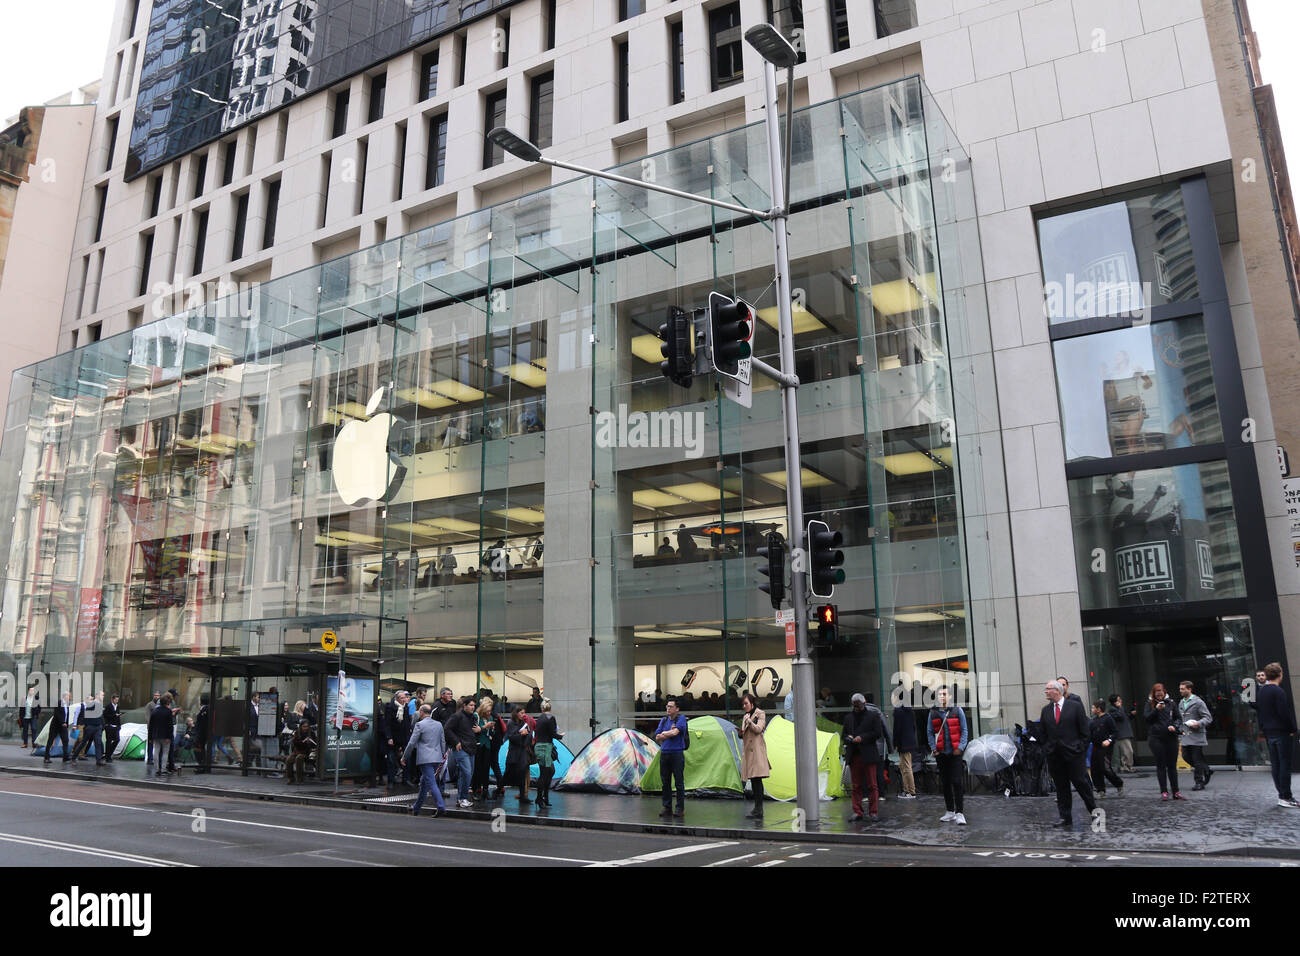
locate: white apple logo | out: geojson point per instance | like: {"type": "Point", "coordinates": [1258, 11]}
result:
{"type": "Point", "coordinates": [364, 467]}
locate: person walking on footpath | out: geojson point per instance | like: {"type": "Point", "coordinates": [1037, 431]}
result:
{"type": "Point", "coordinates": [427, 750]}
{"type": "Point", "coordinates": [148, 714]}
{"type": "Point", "coordinates": [162, 728]}
{"type": "Point", "coordinates": [112, 728]}
{"type": "Point", "coordinates": [754, 765]}
{"type": "Point", "coordinates": [519, 758]}
{"type": "Point", "coordinates": [59, 728]}
{"type": "Point", "coordinates": [394, 733]}
{"type": "Point", "coordinates": [547, 733]}
{"type": "Point", "coordinates": [673, 738]}
{"type": "Point", "coordinates": [905, 744]}
{"type": "Point", "coordinates": [462, 737]}
{"type": "Point", "coordinates": [862, 732]}
{"type": "Point", "coordinates": [948, 735]}
{"type": "Point", "coordinates": [1163, 727]}
{"type": "Point", "coordinates": [93, 720]}
{"type": "Point", "coordinates": [1196, 717]}
{"type": "Point", "coordinates": [1277, 723]}
{"type": "Point", "coordinates": [1065, 738]}
{"type": "Point", "coordinates": [1101, 731]}
{"type": "Point", "coordinates": [30, 714]}
{"type": "Point", "coordinates": [1123, 756]}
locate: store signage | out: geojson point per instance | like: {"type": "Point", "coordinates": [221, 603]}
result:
{"type": "Point", "coordinates": [299, 670]}
{"type": "Point", "coordinates": [1144, 567]}
{"type": "Point", "coordinates": [1205, 563]}
{"type": "Point", "coordinates": [364, 470]}
{"type": "Point", "coordinates": [329, 641]}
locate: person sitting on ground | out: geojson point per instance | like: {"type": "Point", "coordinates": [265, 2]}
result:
{"type": "Point", "coordinates": [300, 749]}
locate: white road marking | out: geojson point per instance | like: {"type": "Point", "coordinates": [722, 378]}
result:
{"type": "Point", "coordinates": [799, 856]}
{"type": "Point", "coordinates": [360, 836]}
{"type": "Point", "coordinates": [88, 850]}
{"type": "Point", "coordinates": [770, 863]}
{"type": "Point", "coordinates": [664, 854]}
{"type": "Point", "coordinates": [93, 803]}
{"type": "Point", "coordinates": [734, 859]}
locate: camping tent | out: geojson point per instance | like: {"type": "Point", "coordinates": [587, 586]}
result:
{"type": "Point", "coordinates": [780, 754]}
{"type": "Point", "coordinates": [712, 762]}
{"type": "Point", "coordinates": [131, 743]}
{"type": "Point", "coordinates": [613, 762]}
{"type": "Point", "coordinates": [563, 757]}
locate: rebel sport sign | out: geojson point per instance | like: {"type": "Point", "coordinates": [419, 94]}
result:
{"type": "Point", "coordinates": [1144, 567]}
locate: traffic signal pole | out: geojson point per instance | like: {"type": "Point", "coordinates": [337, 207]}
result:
{"type": "Point", "coordinates": [805, 696]}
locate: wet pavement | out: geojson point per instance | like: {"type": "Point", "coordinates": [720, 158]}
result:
{"type": "Point", "coordinates": [1237, 814]}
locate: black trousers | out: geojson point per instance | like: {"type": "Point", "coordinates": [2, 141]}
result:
{"type": "Point", "coordinates": [756, 784]}
{"type": "Point", "coordinates": [63, 738]}
{"type": "Point", "coordinates": [1195, 755]}
{"type": "Point", "coordinates": [1165, 749]}
{"type": "Point", "coordinates": [672, 768]}
{"type": "Point", "coordinates": [112, 736]}
{"type": "Point", "coordinates": [1067, 770]}
{"type": "Point", "coordinates": [951, 772]}
{"type": "Point", "coordinates": [1102, 769]}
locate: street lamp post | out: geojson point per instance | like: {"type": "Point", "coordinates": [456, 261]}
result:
{"type": "Point", "coordinates": [776, 52]}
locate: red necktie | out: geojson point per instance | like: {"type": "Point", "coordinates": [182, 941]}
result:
{"type": "Point", "coordinates": [1058, 711]}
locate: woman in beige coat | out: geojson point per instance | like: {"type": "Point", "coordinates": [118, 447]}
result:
{"type": "Point", "coordinates": [753, 753]}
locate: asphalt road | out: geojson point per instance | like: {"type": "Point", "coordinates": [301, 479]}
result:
{"type": "Point", "coordinates": [48, 823]}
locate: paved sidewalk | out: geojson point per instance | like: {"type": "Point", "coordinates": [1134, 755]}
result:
{"type": "Point", "coordinates": [1236, 815]}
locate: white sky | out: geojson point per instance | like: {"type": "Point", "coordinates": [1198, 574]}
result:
{"type": "Point", "coordinates": [54, 46]}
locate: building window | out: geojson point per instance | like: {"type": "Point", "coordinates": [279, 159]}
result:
{"type": "Point", "coordinates": [1138, 389]}
{"type": "Point", "coordinates": [436, 165]}
{"type": "Point", "coordinates": [241, 225]}
{"type": "Point", "coordinates": [894, 16]}
{"type": "Point", "coordinates": [494, 115]}
{"type": "Point", "coordinates": [146, 258]}
{"type": "Point", "coordinates": [501, 40]}
{"type": "Point", "coordinates": [200, 242]}
{"type": "Point", "coordinates": [155, 195]}
{"type": "Point", "coordinates": [677, 53]}
{"type": "Point", "coordinates": [340, 114]}
{"type": "Point", "coordinates": [1117, 258]}
{"type": "Point", "coordinates": [378, 87]}
{"type": "Point", "coordinates": [272, 211]}
{"type": "Point", "coordinates": [839, 25]}
{"type": "Point", "coordinates": [630, 8]}
{"type": "Point", "coordinates": [94, 332]}
{"type": "Point", "coordinates": [101, 203]}
{"type": "Point", "coordinates": [541, 110]}
{"type": "Point", "coordinates": [461, 55]}
{"type": "Point", "coordinates": [620, 49]}
{"type": "Point", "coordinates": [429, 75]}
{"type": "Point", "coordinates": [549, 14]}
{"type": "Point", "coordinates": [787, 16]}
{"type": "Point", "coordinates": [111, 132]}
{"type": "Point", "coordinates": [200, 175]}
{"type": "Point", "coordinates": [228, 163]}
{"type": "Point", "coordinates": [725, 46]}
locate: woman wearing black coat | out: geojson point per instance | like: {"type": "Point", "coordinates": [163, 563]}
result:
{"type": "Point", "coordinates": [548, 733]}
{"type": "Point", "coordinates": [1164, 724]}
{"type": "Point", "coordinates": [519, 756]}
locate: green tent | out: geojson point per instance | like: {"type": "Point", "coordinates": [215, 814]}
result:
{"type": "Point", "coordinates": [712, 762]}
{"type": "Point", "coordinates": [780, 754]}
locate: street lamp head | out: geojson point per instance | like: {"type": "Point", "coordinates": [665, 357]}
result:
{"type": "Point", "coordinates": [771, 45]}
{"type": "Point", "coordinates": [514, 145]}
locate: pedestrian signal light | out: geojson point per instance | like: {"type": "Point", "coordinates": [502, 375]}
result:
{"type": "Point", "coordinates": [828, 624]}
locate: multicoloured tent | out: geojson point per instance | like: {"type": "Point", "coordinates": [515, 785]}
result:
{"type": "Point", "coordinates": [613, 762]}
{"type": "Point", "coordinates": [780, 754]}
{"type": "Point", "coordinates": [563, 758]}
{"type": "Point", "coordinates": [712, 762]}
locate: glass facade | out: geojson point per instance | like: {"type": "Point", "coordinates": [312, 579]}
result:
{"type": "Point", "coordinates": [210, 66]}
{"type": "Point", "coordinates": [457, 450]}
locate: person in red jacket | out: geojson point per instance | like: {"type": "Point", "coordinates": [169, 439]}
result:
{"type": "Point", "coordinates": [948, 735]}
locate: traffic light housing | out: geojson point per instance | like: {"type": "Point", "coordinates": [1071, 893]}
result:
{"type": "Point", "coordinates": [678, 348]}
{"type": "Point", "coordinates": [774, 570]}
{"type": "Point", "coordinates": [828, 624]}
{"type": "Point", "coordinates": [824, 560]}
{"type": "Point", "coordinates": [731, 326]}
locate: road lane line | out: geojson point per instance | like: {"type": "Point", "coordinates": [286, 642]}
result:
{"type": "Point", "coordinates": [663, 854]}
{"type": "Point", "coordinates": [734, 859]}
{"type": "Point", "coordinates": [770, 863]}
{"type": "Point", "coordinates": [375, 839]}
{"type": "Point", "coordinates": [93, 803]}
{"type": "Point", "coordinates": [798, 856]}
{"type": "Point", "coordinates": [89, 850]}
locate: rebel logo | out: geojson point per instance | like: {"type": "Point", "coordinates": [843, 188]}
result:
{"type": "Point", "coordinates": [1144, 567]}
{"type": "Point", "coordinates": [1205, 563]}
{"type": "Point", "coordinates": [366, 467]}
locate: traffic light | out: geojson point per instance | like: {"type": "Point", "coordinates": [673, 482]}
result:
{"type": "Point", "coordinates": [774, 551]}
{"type": "Point", "coordinates": [824, 560]}
{"type": "Point", "coordinates": [828, 624]}
{"type": "Point", "coordinates": [731, 325]}
{"type": "Point", "coordinates": [678, 348]}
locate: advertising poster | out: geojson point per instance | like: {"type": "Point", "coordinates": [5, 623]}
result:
{"type": "Point", "coordinates": [357, 746]}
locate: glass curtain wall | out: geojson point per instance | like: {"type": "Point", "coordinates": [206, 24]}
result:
{"type": "Point", "coordinates": [456, 449]}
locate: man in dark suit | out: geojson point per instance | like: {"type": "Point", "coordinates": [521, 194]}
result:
{"type": "Point", "coordinates": [394, 732]}
{"type": "Point", "coordinates": [59, 727]}
{"type": "Point", "coordinates": [1065, 689]}
{"type": "Point", "coordinates": [1065, 733]}
{"type": "Point", "coordinates": [112, 728]}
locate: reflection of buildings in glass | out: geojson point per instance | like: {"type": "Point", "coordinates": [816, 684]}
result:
{"type": "Point", "coordinates": [270, 56]}
{"type": "Point", "coordinates": [1170, 406]}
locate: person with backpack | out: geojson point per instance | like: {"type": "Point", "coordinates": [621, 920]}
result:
{"type": "Point", "coordinates": [674, 739]}
{"type": "Point", "coordinates": [862, 733]}
{"type": "Point", "coordinates": [754, 765]}
{"type": "Point", "coordinates": [948, 735]}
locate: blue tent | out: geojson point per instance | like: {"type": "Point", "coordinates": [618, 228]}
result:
{"type": "Point", "coordinates": [563, 757]}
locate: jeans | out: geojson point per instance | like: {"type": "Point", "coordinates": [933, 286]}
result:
{"type": "Point", "coordinates": [1165, 749]}
{"type": "Point", "coordinates": [865, 774]}
{"type": "Point", "coordinates": [429, 784]}
{"type": "Point", "coordinates": [1279, 759]}
{"type": "Point", "coordinates": [951, 772]}
{"type": "Point", "coordinates": [394, 755]}
{"type": "Point", "coordinates": [464, 773]}
{"type": "Point", "coordinates": [672, 768]}
{"type": "Point", "coordinates": [163, 747]}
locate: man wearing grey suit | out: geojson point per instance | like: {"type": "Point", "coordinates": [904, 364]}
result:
{"type": "Point", "coordinates": [429, 749]}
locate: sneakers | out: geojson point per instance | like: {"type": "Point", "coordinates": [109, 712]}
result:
{"type": "Point", "coordinates": [1178, 796]}
{"type": "Point", "coordinates": [1101, 794]}
{"type": "Point", "coordinates": [961, 819]}
{"type": "Point", "coordinates": [948, 817]}
{"type": "Point", "coordinates": [875, 817]}
{"type": "Point", "coordinates": [907, 796]}
{"type": "Point", "coordinates": [1164, 797]}
{"type": "Point", "coordinates": [464, 804]}
{"type": "Point", "coordinates": [1289, 804]}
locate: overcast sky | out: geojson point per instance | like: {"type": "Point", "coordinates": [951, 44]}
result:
{"type": "Point", "coordinates": [54, 46]}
